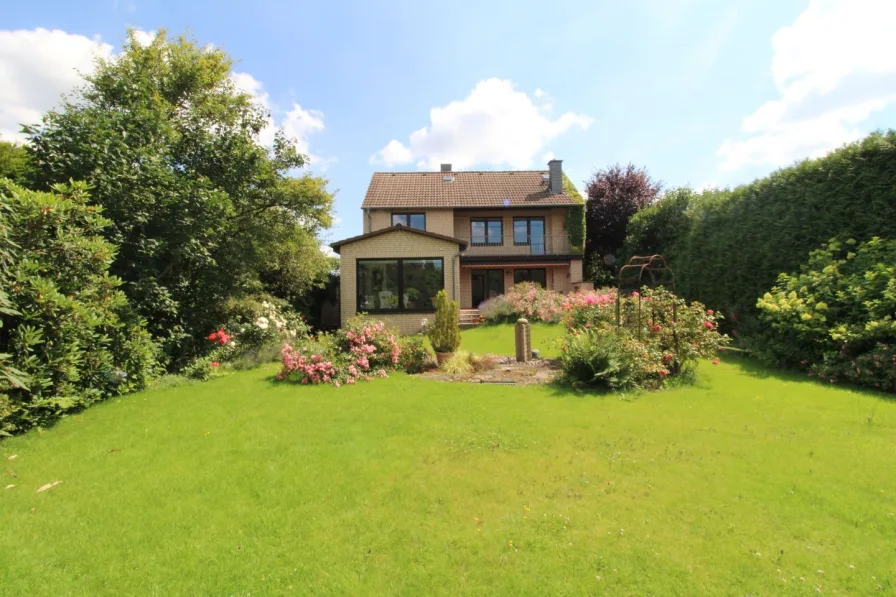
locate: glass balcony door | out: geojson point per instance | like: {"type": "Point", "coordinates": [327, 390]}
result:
{"type": "Point", "coordinates": [530, 231]}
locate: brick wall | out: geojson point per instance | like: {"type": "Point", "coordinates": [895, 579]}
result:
{"type": "Point", "coordinates": [396, 244]}
{"type": "Point", "coordinates": [440, 221]}
{"type": "Point", "coordinates": [575, 271]}
{"type": "Point", "coordinates": [554, 221]}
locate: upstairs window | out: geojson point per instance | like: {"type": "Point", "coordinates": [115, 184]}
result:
{"type": "Point", "coordinates": [529, 231]}
{"type": "Point", "coordinates": [486, 233]}
{"type": "Point", "coordinates": [417, 221]}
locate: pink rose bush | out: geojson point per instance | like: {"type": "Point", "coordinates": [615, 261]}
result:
{"type": "Point", "coordinates": [533, 302]}
{"type": "Point", "coordinates": [359, 351]}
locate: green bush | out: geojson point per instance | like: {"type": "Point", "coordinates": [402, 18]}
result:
{"type": "Point", "coordinates": [606, 356]}
{"type": "Point", "coordinates": [444, 335]}
{"type": "Point", "coordinates": [255, 357]}
{"type": "Point", "coordinates": [415, 357]}
{"type": "Point", "coordinates": [259, 320]}
{"type": "Point", "coordinates": [665, 341]}
{"type": "Point", "coordinates": [466, 362]}
{"type": "Point", "coordinates": [70, 329]}
{"type": "Point", "coordinates": [837, 317]}
{"type": "Point", "coordinates": [201, 368]}
{"type": "Point", "coordinates": [660, 227]}
{"type": "Point", "coordinates": [734, 243]}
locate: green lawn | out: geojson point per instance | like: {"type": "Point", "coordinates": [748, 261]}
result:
{"type": "Point", "coordinates": [499, 339]}
{"type": "Point", "coordinates": [404, 486]}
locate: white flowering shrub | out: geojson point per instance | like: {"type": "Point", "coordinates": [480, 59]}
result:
{"type": "Point", "coordinates": [254, 322]}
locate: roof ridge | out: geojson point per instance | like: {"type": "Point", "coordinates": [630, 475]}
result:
{"type": "Point", "coordinates": [463, 172]}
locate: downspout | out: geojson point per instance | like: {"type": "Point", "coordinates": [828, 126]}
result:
{"type": "Point", "coordinates": [455, 262]}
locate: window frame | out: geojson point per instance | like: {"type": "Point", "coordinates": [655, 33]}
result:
{"type": "Point", "coordinates": [488, 242]}
{"type": "Point", "coordinates": [408, 215]}
{"type": "Point", "coordinates": [528, 221]}
{"type": "Point", "coordinates": [531, 269]}
{"type": "Point", "coordinates": [400, 262]}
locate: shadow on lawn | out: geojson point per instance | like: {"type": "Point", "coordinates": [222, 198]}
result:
{"type": "Point", "coordinates": [755, 368]}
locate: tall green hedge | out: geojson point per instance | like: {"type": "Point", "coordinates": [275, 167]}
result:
{"type": "Point", "coordinates": [730, 246]}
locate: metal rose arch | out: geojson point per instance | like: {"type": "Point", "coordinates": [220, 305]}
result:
{"type": "Point", "coordinates": [640, 271]}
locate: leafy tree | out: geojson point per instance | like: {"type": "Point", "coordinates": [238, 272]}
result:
{"type": "Point", "coordinates": [200, 209]}
{"type": "Point", "coordinates": [659, 227]}
{"type": "Point", "coordinates": [614, 195]}
{"type": "Point", "coordinates": [14, 162]}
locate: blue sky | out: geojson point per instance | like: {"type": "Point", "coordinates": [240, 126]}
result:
{"type": "Point", "coordinates": [699, 92]}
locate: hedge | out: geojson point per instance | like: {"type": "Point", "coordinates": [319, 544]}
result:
{"type": "Point", "coordinates": [730, 246]}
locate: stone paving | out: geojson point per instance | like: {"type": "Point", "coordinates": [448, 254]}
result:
{"type": "Point", "coordinates": [505, 372]}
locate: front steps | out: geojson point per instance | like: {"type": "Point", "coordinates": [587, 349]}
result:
{"type": "Point", "coordinates": [469, 318]}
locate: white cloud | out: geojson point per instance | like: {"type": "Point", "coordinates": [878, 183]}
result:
{"type": "Point", "coordinates": [144, 38]}
{"type": "Point", "coordinates": [297, 122]}
{"type": "Point", "coordinates": [493, 125]}
{"type": "Point", "coordinates": [38, 66]}
{"type": "Point", "coordinates": [707, 186]}
{"type": "Point", "coordinates": [328, 251]}
{"type": "Point", "coordinates": [395, 153]}
{"type": "Point", "coordinates": [834, 67]}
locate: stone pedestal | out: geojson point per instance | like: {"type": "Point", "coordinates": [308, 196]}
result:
{"type": "Point", "coordinates": [523, 341]}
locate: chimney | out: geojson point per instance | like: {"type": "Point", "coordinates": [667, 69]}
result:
{"type": "Point", "coordinates": [446, 167]}
{"type": "Point", "coordinates": [555, 169]}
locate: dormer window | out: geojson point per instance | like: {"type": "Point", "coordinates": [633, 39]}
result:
{"type": "Point", "coordinates": [411, 220]}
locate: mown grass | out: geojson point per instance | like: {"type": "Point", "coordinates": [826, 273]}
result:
{"type": "Point", "coordinates": [499, 339]}
{"type": "Point", "coordinates": [746, 483]}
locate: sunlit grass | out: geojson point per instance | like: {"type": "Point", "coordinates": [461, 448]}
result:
{"type": "Point", "coordinates": [413, 487]}
{"type": "Point", "coordinates": [499, 339]}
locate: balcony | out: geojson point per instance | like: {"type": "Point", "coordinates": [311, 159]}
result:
{"type": "Point", "coordinates": [534, 245]}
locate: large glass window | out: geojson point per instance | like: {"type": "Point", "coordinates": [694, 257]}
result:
{"type": "Point", "coordinates": [529, 231]}
{"type": "Point", "coordinates": [539, 276]}
{"type": "Point", "coordinates": [410, 220]}
{"type": "Point", "coordinates": [486, 232]}
{"type": "Point", "coordinates": [399, 284]}
{"type": "Point", "coordinates": [421, 280]}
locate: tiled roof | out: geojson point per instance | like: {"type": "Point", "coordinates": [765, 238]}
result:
{"type": "Point", "coordinates": [398, 227]}
{"type": "Point", "coordinates": [468, 189]}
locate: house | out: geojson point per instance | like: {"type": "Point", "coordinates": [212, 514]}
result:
{"type": "Point", "coordinates": [473, 233]}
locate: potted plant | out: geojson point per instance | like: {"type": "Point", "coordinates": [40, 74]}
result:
{"type": "Point", "coordinates": [411, 297]}
{"type": "Point", "coordinates": [444, 335]}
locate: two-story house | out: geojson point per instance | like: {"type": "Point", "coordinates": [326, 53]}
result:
{"type": "Point", "coordinates": [473, 233]}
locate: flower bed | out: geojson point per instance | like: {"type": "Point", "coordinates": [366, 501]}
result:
{"type": "Point", "coordinates": [642, 351]}
{"type": "Point", "coordinates": [361, 350]}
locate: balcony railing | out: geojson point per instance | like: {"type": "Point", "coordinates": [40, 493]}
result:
{"type": "Point", "coordinates": [547, 244]}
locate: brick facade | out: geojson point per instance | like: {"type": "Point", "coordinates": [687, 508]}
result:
{"type": "Point", "coordinates": [398, 244]}
{"type": "Point", "coordinates": [440, 221]}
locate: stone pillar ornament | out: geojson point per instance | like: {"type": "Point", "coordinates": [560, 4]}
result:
{"type": "Point", "coordinates": [523, 341]}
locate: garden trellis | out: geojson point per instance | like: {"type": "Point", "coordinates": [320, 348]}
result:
{"type": "Point", "coordinates": [651, 271]}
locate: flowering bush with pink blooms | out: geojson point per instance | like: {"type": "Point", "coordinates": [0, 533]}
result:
{"type": "Point", "coordinates": [533, 302]}
{"type": "Point", "coordinates": [361, 350]}
{"type": "Point", "coordinates": [644, 350]}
